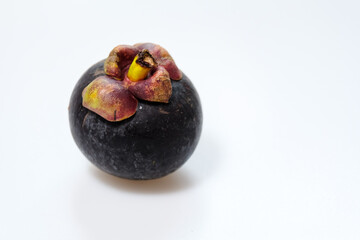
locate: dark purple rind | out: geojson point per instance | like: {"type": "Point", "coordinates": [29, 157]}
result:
{"type": "Point", "coordinates": [154, 142]}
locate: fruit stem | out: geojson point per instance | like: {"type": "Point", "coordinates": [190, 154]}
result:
{"type": "Point", "coordinates": [141, 66]}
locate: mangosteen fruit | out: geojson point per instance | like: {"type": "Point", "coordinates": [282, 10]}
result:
{"type": "Point", "coordinates": [135, 115]}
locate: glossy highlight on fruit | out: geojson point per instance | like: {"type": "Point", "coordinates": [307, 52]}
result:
{"type": "Point", "coordinates": [142, 129]}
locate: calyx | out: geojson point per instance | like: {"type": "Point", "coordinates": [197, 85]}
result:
{"type": "Point", "coordinates": [142, 71]}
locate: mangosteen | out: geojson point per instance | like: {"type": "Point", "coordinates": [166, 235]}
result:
{"type": "Point", "coordinates": [135, 115]}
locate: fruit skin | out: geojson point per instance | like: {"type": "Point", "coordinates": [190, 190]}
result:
{"type": "Point", "coordinates": [156, 141]}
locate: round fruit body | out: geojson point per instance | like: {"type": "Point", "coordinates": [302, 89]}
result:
{"type": "Point", "coordinates": [154, 142]}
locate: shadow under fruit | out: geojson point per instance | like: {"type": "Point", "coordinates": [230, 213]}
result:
{"type": "Point", "coordinates": [155, 139]}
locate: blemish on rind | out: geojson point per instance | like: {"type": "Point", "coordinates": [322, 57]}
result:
{"type": "Point", "coordinates": [99, 72]}
{"type": "Point", "coordinates": [83, 122]}
{"type": "Point", "coordinates": [163, 111]}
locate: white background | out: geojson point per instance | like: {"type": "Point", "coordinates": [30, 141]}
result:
{"type": "Point", "coordinates": [279, 155]}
